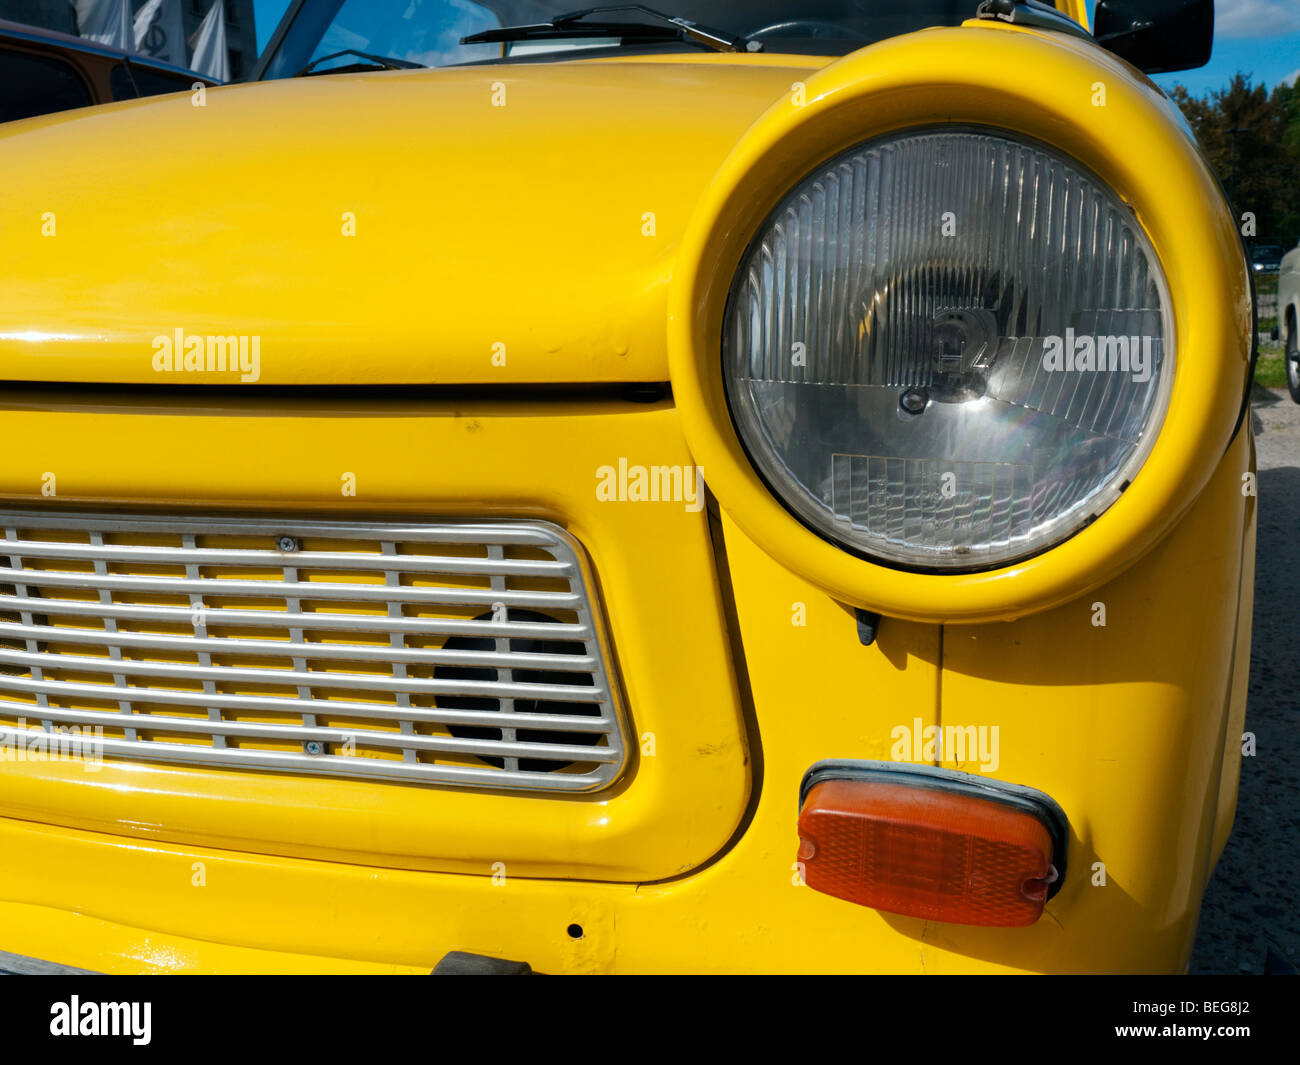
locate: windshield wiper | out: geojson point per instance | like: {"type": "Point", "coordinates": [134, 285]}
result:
{"type": "Point", "coordinates": [574, 24]}
{"type": "Point", "coordinates": [377, 62]}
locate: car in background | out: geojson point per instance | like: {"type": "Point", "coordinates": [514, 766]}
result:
{"type": "Point", "coordinates": [43, 71]}
{"type": "Point", "coordinates": [1266, 258]}
{"type": "Point", "coordinates": [1288, 315]}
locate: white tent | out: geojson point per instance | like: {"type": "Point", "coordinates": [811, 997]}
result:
{"type": "Point", "coordinates": [160, 32]}
{"type": "Point", "coordinates": [211, 57]}
{"type": "Point", "coordinates": [106, 21]}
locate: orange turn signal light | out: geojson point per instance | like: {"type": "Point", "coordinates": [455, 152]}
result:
{"type": "Point", "coordinates": [930, 843]}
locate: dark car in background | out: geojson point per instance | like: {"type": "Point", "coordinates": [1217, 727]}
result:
{"type": "Point", "coordinates": [1266, 258]}
{"type": "Point", "coordinates": [42, 71]}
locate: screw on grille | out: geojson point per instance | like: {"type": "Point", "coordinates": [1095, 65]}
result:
{"type": "Point", "coordinates": [313, 747]}
{"type": "Point", "coordinates": [286, 544]}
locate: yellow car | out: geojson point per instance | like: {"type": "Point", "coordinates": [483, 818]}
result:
{"type": "Point", "coordinates": [749, 488]}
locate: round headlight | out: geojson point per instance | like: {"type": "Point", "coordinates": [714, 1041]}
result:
{"type": "Point", "coordinates": [948, 349]}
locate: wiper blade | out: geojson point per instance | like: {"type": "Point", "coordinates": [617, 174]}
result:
{"type": "Point", "coordinates": [717, 39]}
{"type": "Point", "coordinates": [381, 62]}
{"type": "Point", "coordinates": [573, 24]}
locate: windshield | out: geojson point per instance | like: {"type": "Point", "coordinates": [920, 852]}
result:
{"type": "Point", "coordinates": [428, 32]}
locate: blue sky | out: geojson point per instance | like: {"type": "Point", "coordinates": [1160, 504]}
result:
{"type": "Point", "coordinates": [1260, 37]}
{"type": "Point", "coordinates": [266, 15]}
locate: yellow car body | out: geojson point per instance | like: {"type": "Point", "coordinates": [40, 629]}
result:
{"type": "Point", "coordinates": [582, 237]}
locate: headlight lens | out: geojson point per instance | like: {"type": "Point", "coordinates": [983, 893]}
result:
{"type": "Point", "coordinates": [949, 349]}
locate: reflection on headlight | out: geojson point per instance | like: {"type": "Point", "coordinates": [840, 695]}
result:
{"type": "Point", "coordinates": [949, 348]}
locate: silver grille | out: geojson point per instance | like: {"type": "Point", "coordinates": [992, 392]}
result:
{"type": "Point", "coordinates": [463, 654]}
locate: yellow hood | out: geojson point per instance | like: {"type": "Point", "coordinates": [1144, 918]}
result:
{"type": "Point", "coordinates": [483, 225]}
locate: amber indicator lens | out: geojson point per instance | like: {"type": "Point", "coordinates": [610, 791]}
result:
{"type": "Point", "coordinates": [924, 852]}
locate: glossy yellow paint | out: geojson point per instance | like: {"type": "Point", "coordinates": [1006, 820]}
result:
{"type": "Point", "coordinates": [547, 225]}
{"type": "Point", "coordinates": [1230, 773]}
{"type": "Point", "coordinates": [1133, 726]}
{"type": "Point", "coordinates": [955, 75]}
{"type": "Point", "coordinates": [1127, 737]}
{"type": "Point", "coordinates": [654, 563]}
{"type": "Point", "coordinates": [734, 643]}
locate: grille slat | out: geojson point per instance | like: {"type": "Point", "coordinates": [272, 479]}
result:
{"type": "Point", "coordinates": [299, 734]}
{"type": "Point", "coordinates": [219, 616]}
{"type": "Point", "coordinates": [309, 765]}
{"type": "Point", "coordinates": [309, 678]}
{"type": "Point", "coordinates": [465, 654]}
{"type": "Point", "coordinates": [296, 649]}
{"type": "Point", "coordinates": [279, 589]}
{"type": "Point", "coordinates": [292, 705]}
{"type": "Point", "coordinates": [102, 554]}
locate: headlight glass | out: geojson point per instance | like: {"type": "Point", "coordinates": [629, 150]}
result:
{"type": "Point", "coordinates": [949, 349]}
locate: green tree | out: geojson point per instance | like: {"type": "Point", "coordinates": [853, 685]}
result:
{"type": "Point", "coordinates": [1252, 140]}
{"type": "Point", "coordinates": [1288, 101]}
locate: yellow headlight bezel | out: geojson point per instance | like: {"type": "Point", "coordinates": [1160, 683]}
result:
{"type": "Point", "coordinates": [1071, 96]}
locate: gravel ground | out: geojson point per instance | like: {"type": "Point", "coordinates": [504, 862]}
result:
{"type": "Point", "coordinates": [1252, 905]}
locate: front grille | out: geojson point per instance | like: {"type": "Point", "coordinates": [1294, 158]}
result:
{"type": "Point", "coordinates": [458, 654]}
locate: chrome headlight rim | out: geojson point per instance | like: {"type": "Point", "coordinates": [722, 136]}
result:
{"type": "Point", "coordinates": [1097, 504]}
